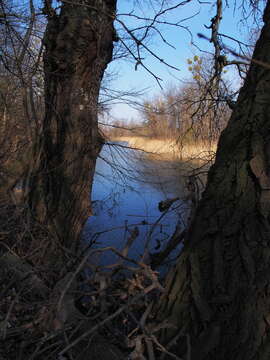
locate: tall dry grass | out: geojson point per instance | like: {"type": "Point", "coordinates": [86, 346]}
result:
{"type": "Point", "coordinates": [171, 149]}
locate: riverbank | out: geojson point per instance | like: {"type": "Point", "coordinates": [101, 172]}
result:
{"type": "Point", "coordinates": [74, 313]}
{"type": "Point", "coordinates": [171, 150]}
{"type": "Point", "coordinates": [47, 313]}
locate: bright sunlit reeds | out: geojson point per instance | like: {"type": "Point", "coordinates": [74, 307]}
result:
{"type": "Point", "coordinates": [171, 149]}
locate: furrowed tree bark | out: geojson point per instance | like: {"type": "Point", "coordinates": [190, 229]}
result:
{"type": "Point", "coordinates": [218, 296]}
{"type": "Point", "coordinates": [78, 46]}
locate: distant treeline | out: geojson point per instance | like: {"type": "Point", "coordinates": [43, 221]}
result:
{"type": "Point", "coordinates": [191, 112]}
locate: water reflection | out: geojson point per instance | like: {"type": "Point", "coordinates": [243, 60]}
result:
{"type": "Point", "coordinates": [126, 192]}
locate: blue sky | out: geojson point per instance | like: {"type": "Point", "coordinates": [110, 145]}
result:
{"type": "Point", "coordinates": [128, 78]}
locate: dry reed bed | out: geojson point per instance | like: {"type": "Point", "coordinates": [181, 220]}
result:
{"type": "Point", "coordinates": [171, 149]}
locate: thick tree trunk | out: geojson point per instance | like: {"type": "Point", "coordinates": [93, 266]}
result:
{"type": "Point", "coordinates": [78, 46]}
{"type": "Point", "coordinates": [218, 297]}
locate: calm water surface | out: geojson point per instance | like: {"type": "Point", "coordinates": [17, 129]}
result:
{"type": "Point", "coordinates": [126, 192]}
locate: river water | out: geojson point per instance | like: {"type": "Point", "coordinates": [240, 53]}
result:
{"type": "Point", "coordinates": [127, 189]}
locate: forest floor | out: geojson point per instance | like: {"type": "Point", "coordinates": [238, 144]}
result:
{"type": "Point", "coordinates": [79, 312]}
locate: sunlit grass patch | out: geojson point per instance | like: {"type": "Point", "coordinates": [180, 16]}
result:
{"type": "Point", "coordinates": [172, 149]}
